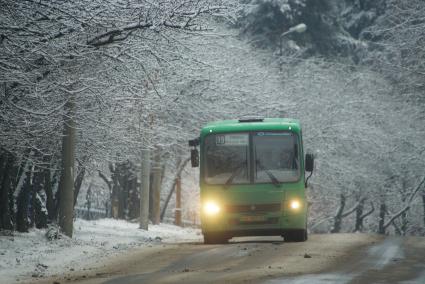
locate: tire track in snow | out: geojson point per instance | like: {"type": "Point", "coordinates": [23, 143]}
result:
{"type": "Point", "coordinates": [377, 257]}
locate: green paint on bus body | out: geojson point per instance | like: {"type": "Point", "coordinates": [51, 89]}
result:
{"type": "Point", "coordinates": [253, 209]}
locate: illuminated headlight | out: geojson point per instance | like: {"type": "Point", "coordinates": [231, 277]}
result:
{"type": "Point", "coordinates": [211, 208]}
{"type": "Point", "coordinates": [295, 204]}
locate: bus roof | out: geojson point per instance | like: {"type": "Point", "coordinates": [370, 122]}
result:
{"type": "Point", "coordinates": [266, 124]}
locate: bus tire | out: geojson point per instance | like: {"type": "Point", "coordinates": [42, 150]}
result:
{"type": "Point", "coordinates": [210, 239]}
{"type": "Point", "coordinates": [295, 236]}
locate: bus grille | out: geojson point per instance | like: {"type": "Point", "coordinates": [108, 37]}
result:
{"type": "Point", "coordinates": [273, 220]}
{"type": "Point", "coordinates": [253, 208]}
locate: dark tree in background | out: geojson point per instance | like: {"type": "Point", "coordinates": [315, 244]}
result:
{"type": "Point", "coordinates": [7, 169]}
{"type": "Point", "coordinates": [125, 200]}
{"type": "Point", "coordinates": [334, 27]}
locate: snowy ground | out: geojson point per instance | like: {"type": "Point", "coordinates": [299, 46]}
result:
{"type": "Point", "coordinates": [32, 255]}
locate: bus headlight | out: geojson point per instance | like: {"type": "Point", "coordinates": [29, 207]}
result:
{"type": "Point", "coordinates": [211, 208]}
{"type": "Point", "coordinates": [295, 204]}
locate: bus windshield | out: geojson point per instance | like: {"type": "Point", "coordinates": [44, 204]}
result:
{"type": "Point", "coordinates": [268, 157]}
{"type": "Point", "coordinates": [227, 158]}
{"type": "Point", "coordinates": [275, 156]}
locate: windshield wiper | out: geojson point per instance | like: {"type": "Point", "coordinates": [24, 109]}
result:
{"type": "Point", "coordinates": [234, 174]}
{"type": "Point", "coordinates": [269, 173]}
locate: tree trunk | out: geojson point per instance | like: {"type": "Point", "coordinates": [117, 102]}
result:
{"type": "Point", "coordinates": [2, 164]}
{"type": "Point", "coordinates": [41, 218]}
{"type": "Point", "coordinates": [404, 223]}
{"type": "Point", "coordinates": [134, 202]}
{"type": "Point", "coordinates": [122, 192]}
{"type": "Point", "coordinates": [89, 201]}
{"type": "Point", "coordinates": [50, 202]}
{"type": "Point", "coordinates": [56, 184]}
{"type": "Point", "coordinates": [2, 190]}
{"type": "Point", "coordinates": [382, 210]}
{"type": "Point", "coordinates": [144, 189]}
{"type": "Point", "coordinates": [39, 214]}
{"type": "Point", "coordinates": [338, 217]}
{"type": "Point", "coordinates": [33, 193]}
{"type": "Point", "coordinates": [404, 217]}
{"type": "Point", "coordinates": [151, 192]}
{"type": "Point", "coordinates": [117, 211]}
{"type": "Point", "coordinates": [359, 221]}
{"type": "Point", "coordinates": [5, 190]}
{"type": "Point", "coordinates": [79, 181]}
{"type": "Point", "coordinates": [108, 204]}
{"type": "Point", "coordinates": [157, 173]}
{"type": "Point", "coordinates": [178, 212]}
{"type": "Point", "coordinates": [66, 201]}
{"type": "Point", "coordinates": [22, 204]}
{"type": "Point", "coordinates": [423, 204]}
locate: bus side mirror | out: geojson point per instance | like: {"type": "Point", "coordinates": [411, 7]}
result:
{"type": "Point", "coordinates": [194, 158]}
{"type": "Point", "coordinates": [194, 154]}
{"type": "Point", "coordinates": [194, 142]}
{"type": "Point", "coordinates": [309, 162]}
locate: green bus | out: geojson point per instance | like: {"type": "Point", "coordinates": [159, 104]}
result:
{"type": "Point", "coordinates": [252, 179]}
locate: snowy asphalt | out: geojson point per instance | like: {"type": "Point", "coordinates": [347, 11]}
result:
{"type": "Point", "coordinates": [336, 258]}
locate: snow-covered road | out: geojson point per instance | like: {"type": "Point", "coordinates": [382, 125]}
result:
{"type": "Point", "coordinates": [326, 258]}
{"type": "Point", "coordinates": [384, 262]}
{"type": "Point", "coordinates": [112, 251]}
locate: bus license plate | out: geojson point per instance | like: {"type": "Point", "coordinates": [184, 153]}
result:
{"type": "Point", "coordinates": [252, 218]}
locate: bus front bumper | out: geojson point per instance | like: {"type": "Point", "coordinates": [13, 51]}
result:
{"type": "Point", "coordinates": [266, 224]}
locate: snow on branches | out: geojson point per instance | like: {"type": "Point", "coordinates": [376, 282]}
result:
{"type": "Point", "coordinates": [103, 52]}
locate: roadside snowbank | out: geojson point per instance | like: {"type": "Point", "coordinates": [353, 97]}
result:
{"type": "Point", "coordinates": [32, 255]}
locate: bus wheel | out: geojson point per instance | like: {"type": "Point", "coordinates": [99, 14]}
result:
{"type": "Point", "coordinates": [210, 239]}
{"type": "Point", "coordinates": [296, 236]}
